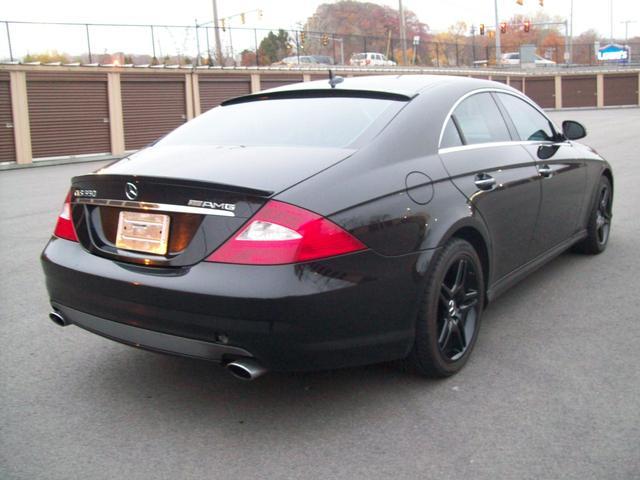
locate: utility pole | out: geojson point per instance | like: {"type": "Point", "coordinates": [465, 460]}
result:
{"type": "Point", "coordinates": [473, 43]}
{"type": "Point", "coordinates": [403, 33]}
{"type": "Point", "coordinates": [216, 30]}
{"type": "Point", "coordinates": [498, 50]}
{"type": "Point", "coordinates": [567, 43]}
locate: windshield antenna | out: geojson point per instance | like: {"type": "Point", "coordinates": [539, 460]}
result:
{"type": "Point", "coordinates": [334, 80]}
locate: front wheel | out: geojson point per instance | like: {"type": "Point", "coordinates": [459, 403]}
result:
{"type": "Point", "coordinates": [599, 226]}
{"type": "Point", "coordinates": [449, 316]}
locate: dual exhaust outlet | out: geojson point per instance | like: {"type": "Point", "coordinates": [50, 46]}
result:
{"type": "Point", "coordinates": [57, 318]}
{"type": "Point", "coordinates": [242, 368]}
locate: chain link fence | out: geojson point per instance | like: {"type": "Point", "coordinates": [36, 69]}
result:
{"type": "Point", "coordinates": [111, 44]}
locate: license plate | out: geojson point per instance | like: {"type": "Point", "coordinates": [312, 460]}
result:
{"type": "Point", "coordinates": [143, 232]}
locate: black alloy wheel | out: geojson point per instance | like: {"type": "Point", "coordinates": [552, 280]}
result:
{"type": "Point", "coordinates": [599, 226]}
{"type": "Point", "coordinates": [449, 317]}
{"type": "Point", "coordinates": [603, 217]}
{"type": "Point", "coordinates": [457, 312]}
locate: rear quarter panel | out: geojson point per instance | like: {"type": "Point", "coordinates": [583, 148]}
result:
{"type": "Point", "coordinates": [367, 193]}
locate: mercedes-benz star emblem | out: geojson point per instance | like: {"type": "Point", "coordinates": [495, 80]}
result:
{"type": "Point", "coordinates": [131, 191]}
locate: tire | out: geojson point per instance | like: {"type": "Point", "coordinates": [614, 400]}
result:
{"type": "Point", "coordinates": [449, 315]}
{"type": "Point", "coordinates": [599, 223]}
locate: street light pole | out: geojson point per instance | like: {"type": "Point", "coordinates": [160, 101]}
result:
{"type": "Point", "coordinates": [197, 43]}
{"type": "Point", "coordinates": [498, 50]}
{"type": "Point", "coordinates": [403, 33]}
{"type": "Point", "coordinates": [626, 29]}
{"type": "Point", "coordinates": [611, 18]}
{"type": "Point", "coordinates": [571, 33]}
{"type": "Point", "coordinates": [216, 30]}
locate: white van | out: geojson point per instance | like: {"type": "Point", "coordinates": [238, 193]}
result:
{"type": "Point", "coordinates": [370, 58]}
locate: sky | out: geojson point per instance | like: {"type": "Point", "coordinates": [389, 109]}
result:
{"type": "Point", "coordinates": [438, 14]}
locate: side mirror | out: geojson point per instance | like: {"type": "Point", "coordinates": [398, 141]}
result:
{"type": "Point", "coordinates": [573, 130]}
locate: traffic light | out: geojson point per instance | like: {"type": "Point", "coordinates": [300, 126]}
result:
{"type": "Point", "coordinates": [242, 18]}
{"type": "Point", "coordinates": [325, 39]}
{"type": "Point", "coordinates": [303, 36]}
{"type": "Point", "coordinates": [222, 24]}
{"type": "Point", "coordinates": [503, 27]}
{"type": "Point", "coordinates": [482, 29]}
{"type": "Point", "coordinates": [527, 26]}
{"type": "Point", "coordinates": [260, 14]}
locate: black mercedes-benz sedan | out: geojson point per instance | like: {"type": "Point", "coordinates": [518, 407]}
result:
{"type": "Point", "coordinates": [327, 224]}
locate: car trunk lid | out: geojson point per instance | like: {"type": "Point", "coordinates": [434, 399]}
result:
{"type": "Point", "coordinates": [188, 201]}
{"type": "Point", "coordinates": [265, 168]}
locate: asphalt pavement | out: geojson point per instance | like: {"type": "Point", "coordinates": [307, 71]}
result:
{"type": "Point", "coordinates": [552, 390]}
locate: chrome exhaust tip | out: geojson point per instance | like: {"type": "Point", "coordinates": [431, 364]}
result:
{"type": "Point", "coordinates": [58, 319]}
{"type": "Point", "coordinates": [246, 369]}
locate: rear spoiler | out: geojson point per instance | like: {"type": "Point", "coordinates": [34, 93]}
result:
{"type": "Point", "coordinates": [319, 93]}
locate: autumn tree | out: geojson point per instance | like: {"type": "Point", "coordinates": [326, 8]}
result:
{"type": "Point", "coordinates": [583, 47]}
{"type": "Point", "coordinates": [362, 26]}
{"type": "Point", "coordinates": [247, 58]}
{"type": "Point", "coordinates": [48, 56]}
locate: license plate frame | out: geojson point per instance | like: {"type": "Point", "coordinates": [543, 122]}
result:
{"type": "Point", "coordinates": [143, 232]}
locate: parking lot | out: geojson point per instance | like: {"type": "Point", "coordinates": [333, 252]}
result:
{"type": "Point", "coordinates": [552, 390]}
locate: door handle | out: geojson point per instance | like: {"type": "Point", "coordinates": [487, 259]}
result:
{"type": "Point", "coordinates": [484, 181]}
{"type": "Point", "coordinates": [545, 171]}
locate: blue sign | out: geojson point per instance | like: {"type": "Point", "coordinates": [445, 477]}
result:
{"type": "Point", "coordinates": [614, 51]}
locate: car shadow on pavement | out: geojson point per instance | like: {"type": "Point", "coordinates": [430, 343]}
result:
{"type": "Point", "coordinates": [178, 391]}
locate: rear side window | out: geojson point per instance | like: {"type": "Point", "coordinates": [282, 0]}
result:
{"type": "Point", "coordinates": [529, 122]}
{"type": "Point", "coordinates": [480, 120]}
{"type": "Point", "coordinates": [450, 136]}
{"type": "Point", "coordinates": [309, 122]}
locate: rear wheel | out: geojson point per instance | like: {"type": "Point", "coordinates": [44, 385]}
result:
{"type": "Point", "coordinates": [449, 317]}
{"type": "Point", "coordinates": [599, 225]}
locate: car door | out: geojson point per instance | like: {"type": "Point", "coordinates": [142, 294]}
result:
{"type": "Point", "coordinates": [498, 177]}
{"type": "Point", "coordinates": [562, 172]}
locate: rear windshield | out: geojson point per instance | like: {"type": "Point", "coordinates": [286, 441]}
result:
{"type": "Point", "coordinates": [314, 122]}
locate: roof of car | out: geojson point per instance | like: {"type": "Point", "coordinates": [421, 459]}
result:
{"type": "Point", "coordinates": [407, 85]}
{"type": "Point", "coordinates": [398, 87]}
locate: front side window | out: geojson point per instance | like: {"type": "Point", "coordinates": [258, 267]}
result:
{"type": "Point", "coordinates": [530, 124]}
{"type": "Point", "coordinates": [480, 120]}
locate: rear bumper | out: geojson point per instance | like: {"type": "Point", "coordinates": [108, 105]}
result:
{"type": "Point", "coordinates": [345, 311]}
{"type": "Point", "coordinates": [149, 339]}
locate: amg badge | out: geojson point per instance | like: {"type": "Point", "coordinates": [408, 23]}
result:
{"type": "Point", "coordinates": [230, 207]}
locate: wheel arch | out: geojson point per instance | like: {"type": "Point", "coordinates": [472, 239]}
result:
{"type": "Point", "coordinates": [607, 173]}
{"type": "Point", "coordinates": [478, 237]}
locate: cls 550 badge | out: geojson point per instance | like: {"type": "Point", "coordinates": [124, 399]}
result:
{"type": "Point", "coordinates": [85, 193]}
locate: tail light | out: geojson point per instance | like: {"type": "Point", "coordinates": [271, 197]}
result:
{"type": "Point", "coordinates": [281, 233]}
{"type": "Point", "coordinates": [64, 227]}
